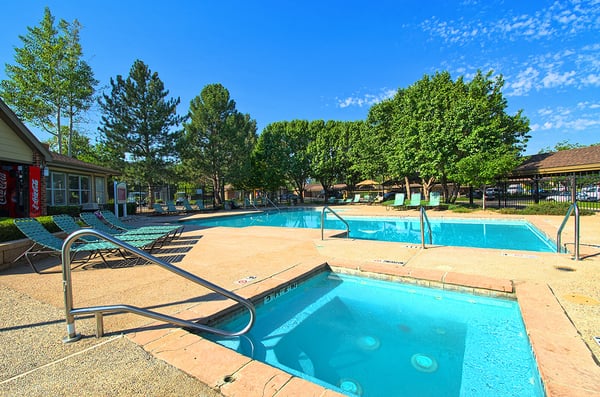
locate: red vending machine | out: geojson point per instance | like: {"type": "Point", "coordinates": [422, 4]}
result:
{"type": "Point", "coordinates": [9, 191]}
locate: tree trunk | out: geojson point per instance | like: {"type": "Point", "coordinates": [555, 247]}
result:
{"type": "Point", "coordinates": [407, 184]}
{"type": "Point", "coordinates": [58, 130]}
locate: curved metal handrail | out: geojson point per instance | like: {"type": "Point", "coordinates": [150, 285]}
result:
{"type": "Point", "coordinates": [273, 204]}
{"type": "Point", "coordinates": [70, 312]}
{"type": "Point", "coordinates": [338, 216]}
{"type": "Point", "coordinates": [425, 221]}
{"type": "Point", "coordinates": [572, 207]}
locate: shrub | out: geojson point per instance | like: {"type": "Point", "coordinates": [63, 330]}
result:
{"type": "Point", "coordinates": [9, 232]}
{"type": "Point", "coordinates": [72, 210]}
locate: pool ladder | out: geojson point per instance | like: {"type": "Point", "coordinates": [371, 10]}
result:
{"type": "Point", "coordinates": [99, 311]}
{"type": "Point", "coordinates": [424, 220]}
{"type": "Point", "coordinates": [327, 208]}
{"type": "Point", "coordinates": [573, 208]}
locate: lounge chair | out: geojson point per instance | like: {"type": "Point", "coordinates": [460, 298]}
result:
{"type": "Point", "coordinates": [45, 242]}
{"type": "Point", "coordinates": [415, 200]}
{"type": "Point", "coordinates": [356, 199]}
{"type": "Point", "coordinates": [114, 222]}
{"type": "Point", "coordinates": [434, 200]}
{"type": "Point", "coordinates": [158, 209]}
{"type": "Point", "coordinates": [187, 206]}
{"type": "Point", "coordinates": [152, 236]}
{"type": "Point", "coordinates": [171, 208]}
{"type": "Point", "coordinates": [398, 201]}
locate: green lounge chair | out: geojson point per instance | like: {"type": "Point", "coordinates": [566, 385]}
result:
{"type": "Point", "coordinates": [155, 237]}
{"type": "Point", "coordinates": [45, 242]}
{"type": "Point", "coordinates": [356, 199]}
{"type": "Point", "coordinates": [398, 201]}
{"type": "Point", "coordinates": [434, 200]}
{"type": "Point", "coordinates": [158, 209]}
{"type": "Point", "coordinates": [171, 208]}
{"type": "Point", "coordinates": [114, 222]}
{"type": "Point", "coordinates": [415, 200]}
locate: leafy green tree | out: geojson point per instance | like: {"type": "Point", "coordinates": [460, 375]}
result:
{"type": "Point", "coordinates": [562, 145]}
{"type": "Point", "coordinates": [218, 139]}
{"type": "Point", "coordinates": [327, 151]}
{"type": "Point", "coordinates": [49, 79]}
{"type": "Point", "coordinates": [138, 122]}
{"type": "Point", "coordinates": [438, 122]}
{"type": "Point", "coordinates": [282, 155]}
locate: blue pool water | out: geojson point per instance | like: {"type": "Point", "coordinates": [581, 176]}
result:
{"type": "Point", "coordinates": [477, 233]}
{"type": "Point", "coordinates": [378, 338]}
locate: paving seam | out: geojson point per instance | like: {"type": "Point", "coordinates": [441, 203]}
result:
{"type": "Point", "coordinates": [114, 338]}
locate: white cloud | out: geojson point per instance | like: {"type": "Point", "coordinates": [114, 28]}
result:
{"type": "Point", "coordinates": [591, 79]}
{"type": "Point", "coordinates": [361, 100]}
{"type": "Point", "coordinates": [561, 18]}
{"type": "Point", "coordinates": [523, 83]}
{"type": "Point", "coordinates": [554, 79]}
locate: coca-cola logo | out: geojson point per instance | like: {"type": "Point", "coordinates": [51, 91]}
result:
{"type": "Point", "coordinates": [35, 194]}
{"type": "Point", "coordinates": [3, 188]}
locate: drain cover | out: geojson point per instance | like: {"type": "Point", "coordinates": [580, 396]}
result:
{"type": "Point", "coordinates": [350, 386]}
{"type": "Point", "coordinates": [424, 363]}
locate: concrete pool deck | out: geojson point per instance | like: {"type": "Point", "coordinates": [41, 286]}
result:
{"type": "Point", "coordinates": [559, 298]}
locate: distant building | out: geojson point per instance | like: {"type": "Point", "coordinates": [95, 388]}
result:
{"type": "Point", "coordinates": [33, 178]}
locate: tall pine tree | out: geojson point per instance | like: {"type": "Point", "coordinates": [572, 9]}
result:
{"type": "Point", "coordinates": [138, 125]}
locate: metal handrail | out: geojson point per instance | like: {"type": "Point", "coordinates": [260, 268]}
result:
{"type": "Point", "coordinates": [425, 221]}
{"type": "Point", "coordinates": [273, 204]}
{"type": "Point", "coordinates": [572, 207]}
{"type": "Point", "coordinates": [338, 216]}
{"type": "Point", "coordinates": [70, 312]}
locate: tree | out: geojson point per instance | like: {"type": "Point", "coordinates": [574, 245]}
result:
{"type": "Point", "coordinates": [50, 80]}
{"type": "Point", "coordinates": [327, 151]}
{"type": "Point", "coordinates": [138, 125]}
{"type": "Point", "coordinates": [438, 122]}
{"type": "Point", "coordinates": [281, 154]}
{"type": "Point", "coordinates": [218, 139]}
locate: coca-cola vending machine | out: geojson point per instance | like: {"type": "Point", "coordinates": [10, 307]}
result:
{"type": "Point", "coordinates": [9, 191]}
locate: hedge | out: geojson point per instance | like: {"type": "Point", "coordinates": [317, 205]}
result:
{"type": "Point", "coordinates": [9, 232]}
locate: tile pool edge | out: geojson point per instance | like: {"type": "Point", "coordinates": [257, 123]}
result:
{"type": "Point", "coordinates": [565, 364]}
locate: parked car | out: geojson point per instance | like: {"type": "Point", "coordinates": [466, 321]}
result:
{"type": "Point", "coordinates": [491, 192]}
{"type": "Point", "coordinates": [514, 189]}
{"type": "Point", "coordinates": [288, 197]}
{"type": "Point", "coordinates": [589, 193]}
{"type": "Point", "coordinates": [561, 197]}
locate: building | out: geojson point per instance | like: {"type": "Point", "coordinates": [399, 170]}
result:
{"type": "Point", "coordinates": [33, 178]}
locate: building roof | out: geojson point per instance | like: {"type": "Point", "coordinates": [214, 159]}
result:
{"type": "Point", "coordinates": [564, 161]}
{"type": "Point", "coordinates": [52, 159]}
{"type": "Point", "coordinates": [11, 119]}
{"type": "Point", "coordinates": [66, 162]}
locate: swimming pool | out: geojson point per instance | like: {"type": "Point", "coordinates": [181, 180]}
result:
{"type": "Point", "coordinates": [370, 337]}
{"type": "Point", "coordinates": [476, 233]}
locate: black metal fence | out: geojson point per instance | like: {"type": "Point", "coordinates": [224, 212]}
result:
{"type": "Point", "coordinates": [517, 193]}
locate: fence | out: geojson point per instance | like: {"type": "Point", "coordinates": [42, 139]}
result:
{"type": "Point", "coordinates": [519, 193]}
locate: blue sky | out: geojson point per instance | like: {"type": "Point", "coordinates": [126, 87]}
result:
{"type": "Point", "coordinates": [284, 60]}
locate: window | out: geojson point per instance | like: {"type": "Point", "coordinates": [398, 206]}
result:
{"type": "Point", "coordinates": [66, 189]}
{"type": "Point", "coordinates": [79, 189]}
{"type": "Point", "coordinates": [100, 190]}
{"type": "Point", "coordinates": [57, 188]}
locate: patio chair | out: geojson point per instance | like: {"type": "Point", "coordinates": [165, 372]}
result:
{"type": "Point", "coordinates": [45, 242]}
{"type": "Point", "coordinates": [152, 237]}
{"type": "Point", "coordinates": [398, 201]}
{"type": "Point", "coordinates": [356, 199]}
{"type": "Point", "coordinates": [415, 200]}
{"type": "Point", "coordinates": [434, 200]}
{"type": "Point", "coordinates": [114, 222]}
{"type": "Point", "coordinates": [171, 208]}
{"type": "Point", "coordinates": [158, 209]}
{"type": "Point", "coordinates": [187, 206]}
